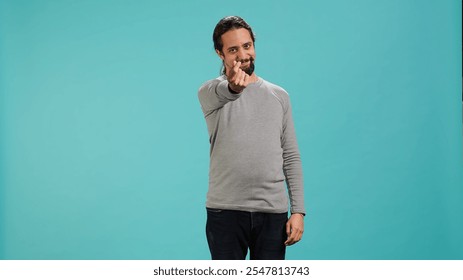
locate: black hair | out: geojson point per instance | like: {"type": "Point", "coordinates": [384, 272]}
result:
{"type": "Point", "coordinates": [227, 24]}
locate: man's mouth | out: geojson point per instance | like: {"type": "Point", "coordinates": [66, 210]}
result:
{"type": "Point", "coordinates": [247, 61]}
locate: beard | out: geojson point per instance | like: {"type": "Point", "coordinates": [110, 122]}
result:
{"type": "Point", "coordinates": [250, 69]}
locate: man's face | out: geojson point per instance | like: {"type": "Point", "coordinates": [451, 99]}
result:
{"type": "Point", "coordinates": [238, 46]}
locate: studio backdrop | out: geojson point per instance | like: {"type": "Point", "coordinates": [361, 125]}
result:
{"type": "Point", "coordinates": [104, 150]}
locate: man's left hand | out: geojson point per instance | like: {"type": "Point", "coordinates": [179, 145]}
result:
{"type": "Point", "coordinates": [294, 228]}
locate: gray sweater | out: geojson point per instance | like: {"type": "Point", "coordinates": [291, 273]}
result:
{"type": "Point", "coordinates": [253, 148]}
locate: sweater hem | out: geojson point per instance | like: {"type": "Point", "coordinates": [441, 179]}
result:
{"type": "Point", "coordinates": [246, 208]}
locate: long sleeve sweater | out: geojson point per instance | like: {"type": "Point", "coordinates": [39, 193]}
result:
{"type": "Point", "coordinates": [253, 148]}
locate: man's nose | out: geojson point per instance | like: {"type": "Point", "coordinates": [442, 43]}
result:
{"type": "Point", "coordinates": [241, 54]}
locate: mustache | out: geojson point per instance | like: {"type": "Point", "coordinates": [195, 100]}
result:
{"type": "Point", "coordinates": [250, 59]}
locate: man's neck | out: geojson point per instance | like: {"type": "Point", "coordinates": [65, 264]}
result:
{"type": "Point", "coordinates": [254, 78]}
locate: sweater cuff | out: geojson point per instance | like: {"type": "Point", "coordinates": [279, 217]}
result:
{"type": "Point", "coordinates": [223, 90]}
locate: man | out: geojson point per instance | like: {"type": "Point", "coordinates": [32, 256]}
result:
{"type": "Point", "coordinates": [253, 151]}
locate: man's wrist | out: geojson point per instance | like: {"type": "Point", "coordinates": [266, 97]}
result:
{"type": "Point", "coordinates": [302, 214]}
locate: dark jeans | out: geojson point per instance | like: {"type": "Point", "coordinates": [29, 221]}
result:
{"type": "Point", "coordinates": [230, 233]}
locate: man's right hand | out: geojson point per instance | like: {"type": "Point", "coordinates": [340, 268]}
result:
{"type": "Point", "coordinates": [238, 80]}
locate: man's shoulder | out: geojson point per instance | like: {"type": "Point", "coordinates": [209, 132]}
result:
{"type": "Point", "coordinates": [277, 91]}
{"type": "Point", "coordinates": [274, 87]}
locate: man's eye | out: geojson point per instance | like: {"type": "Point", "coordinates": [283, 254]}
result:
{"type": "Point", "coordinates": [247, 46]}
{"type": "Point", "coordinates": [232, 50]}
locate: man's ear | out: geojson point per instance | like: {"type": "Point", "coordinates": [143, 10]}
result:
{"type": "Point", "coordinates": [220, 54]}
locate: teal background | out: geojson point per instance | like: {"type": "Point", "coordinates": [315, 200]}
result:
{"type": "Point", "coordinates": [104, 150]}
